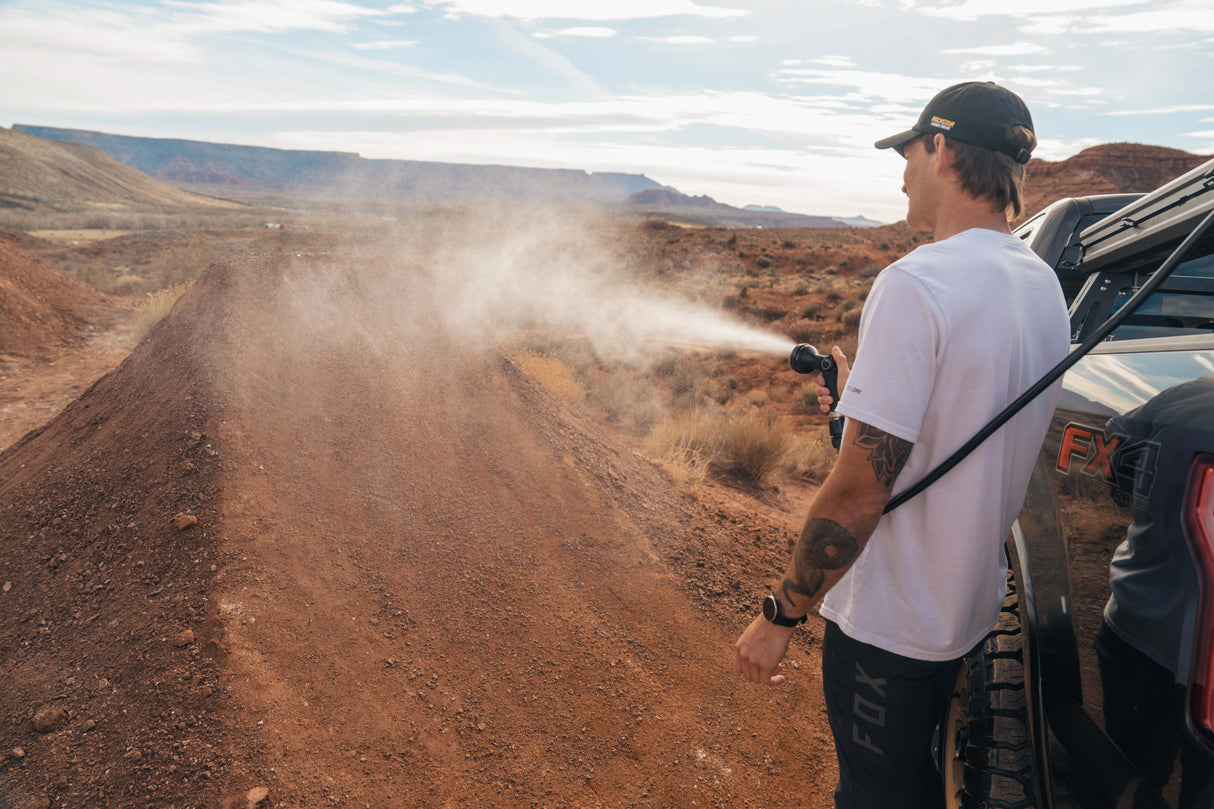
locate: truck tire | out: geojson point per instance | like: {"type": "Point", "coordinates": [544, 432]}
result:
{"type": "Point", "coordinates": [986, 754]}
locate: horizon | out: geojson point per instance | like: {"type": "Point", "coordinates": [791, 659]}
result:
{"type": "Point", "coordinates": [758, 102]}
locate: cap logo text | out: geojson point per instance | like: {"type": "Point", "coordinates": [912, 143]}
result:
{"type": "Point", "coordinates": [942, 123]}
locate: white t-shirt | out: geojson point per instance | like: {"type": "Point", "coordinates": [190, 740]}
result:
{"type": "Point", "coordinates": [950, 335]}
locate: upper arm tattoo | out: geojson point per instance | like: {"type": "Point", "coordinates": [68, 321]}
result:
{"type": "Point", "coordinates": [886, 453]}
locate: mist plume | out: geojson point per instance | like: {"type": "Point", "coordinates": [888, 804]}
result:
{"type": "Point", "coordinates": [568, 275]}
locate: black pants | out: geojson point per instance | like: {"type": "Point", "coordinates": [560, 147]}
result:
{"type": "Point", "coordinates": [883, 710]}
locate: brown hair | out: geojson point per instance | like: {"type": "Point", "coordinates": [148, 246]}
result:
{"type": "Point", "coordinates": [987, 174]}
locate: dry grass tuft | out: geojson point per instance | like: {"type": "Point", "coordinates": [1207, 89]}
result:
{"type": "Point", "coordinates": [558, 378]}
{"type": "Point", "coordinates": [154, 306]}
{"type": "Point", "coordinates": [624, 400]}
{"type": "Point", "coordinates": [687, 443]}
{"type": "Point", "coordinates": [812, 456]}
{"type": "Point", "coordinates": [754, 443]}
{"type": "Point", "coordinates": [806, 397]}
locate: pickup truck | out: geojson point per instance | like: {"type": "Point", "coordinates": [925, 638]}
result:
{"type": "Point", "coordinates": [1096, 689]}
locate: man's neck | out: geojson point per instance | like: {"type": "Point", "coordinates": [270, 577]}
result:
{"type": "Point", "coordinates": [962, 212]}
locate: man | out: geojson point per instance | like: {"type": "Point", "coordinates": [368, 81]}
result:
{"type": "Point", "coordinates": [950, 335]}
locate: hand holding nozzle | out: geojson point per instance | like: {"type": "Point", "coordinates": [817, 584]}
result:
{"type": "Point", "coordinates": [805, 359]}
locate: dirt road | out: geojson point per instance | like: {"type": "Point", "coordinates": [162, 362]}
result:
{"type": "Point", "coordinates": [401, 575]}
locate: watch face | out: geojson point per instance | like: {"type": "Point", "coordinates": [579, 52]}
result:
{"type": "Point", "coordinates": [770, 607]}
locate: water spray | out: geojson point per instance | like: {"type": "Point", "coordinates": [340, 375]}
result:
{"type": "Point", "coordinates": [805, 359]}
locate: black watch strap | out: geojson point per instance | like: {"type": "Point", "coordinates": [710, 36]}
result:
{"type": "Point", "coordinates": [773, 612]}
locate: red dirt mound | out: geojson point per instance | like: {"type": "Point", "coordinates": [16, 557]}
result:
{"type": "Point", "coordinates": [1110, 168]}
{"type": "Point", "coordinates": [41, 306]}
{"type": "Point", "coordinates": [413, 579]}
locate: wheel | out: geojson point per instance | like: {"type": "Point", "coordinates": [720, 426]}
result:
{"type": "Point", "coordinates": [985, 752]}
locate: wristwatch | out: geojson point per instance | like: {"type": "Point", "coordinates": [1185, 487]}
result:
{"type": "Point", "coordinates": [773, 612]}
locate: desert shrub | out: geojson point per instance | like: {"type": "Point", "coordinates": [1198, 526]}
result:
{"type": "Point", "coordinates": [832, 290]}
{"type": "Point", "coordinates": [812, 456]}
{"type": "Point", "coordinates": [723, 389]}
{"type": "Point", "coordinates": [768, 313]}
{"type": "Point", "coordinates": [686, 469]}
{"type": "Point", "coordinates": [686, 444]}
{"type": "Point", "coordinates": [753, 443]}
{"type": "Point", "coordinates": [802, 331]}
{"type": "Point", "coordinates": [681, 372]}
{"type": "Point", "coordinates": [94, 275]}
{"type": "Point", "coordinates": [846, 306]}
{"type": "Point", "coordinates": [625, 400]}
{"type": "Point", "coordinates": [851, 318]}
{"type": "Point", "coordinates": [685, 376]}
{"type": "Point", "coordinates": [811, 310]}
{"type": "Point", "coordinates": [184, 262]}
{"type": "Point", "coordinates": [555, 376]}
{"type": "Point", "coordinates": [755, 398]}
{"type": "Point", "coordinates": [127, 283]}
{"type": "Point", "coordinates": [154, 306]}
{"type": "Point", "coordinates": [847, 342]}
{"type": "Point", "coordinates": [806, 397]}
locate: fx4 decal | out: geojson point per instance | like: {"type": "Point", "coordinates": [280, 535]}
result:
{"type": "Point", "coordinates": [1126, 464]}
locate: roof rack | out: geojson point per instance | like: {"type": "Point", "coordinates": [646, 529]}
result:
{"type": "Point", "coordinates": [1166, 214]}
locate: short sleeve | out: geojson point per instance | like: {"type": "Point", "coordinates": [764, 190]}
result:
{"type": "Point", "coordinates": [902, 331]}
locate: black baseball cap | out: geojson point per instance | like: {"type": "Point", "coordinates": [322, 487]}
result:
{"type": "Point", "coordinates": [979, 113]}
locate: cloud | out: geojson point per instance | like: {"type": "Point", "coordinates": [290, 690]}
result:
{"type": "Point", "coordinates": [167, 33]}
{"type": "Point", "coordinates": [1060, 149]}
{"type": "Point", "coordinates": [56, 32]}
{"type": "Point", "coordinates": [1187, 17]}
{"type": "Point", "coordinates": [1045, 68]}
{"type": "Point", "coordinates": [979, 67]}
{"type": "Point", "coordinates": [594, 32]}
{"type": "Point", "coordinates": [1018, 49]}
{"type": "Point", "coordinates": [744, 38]}
{"type": "Point", "coordinates": [1057, 17]}
{"type": "Point", "coordinates": [386, 44]}
{"type": "Point", "coordinates": [971, 10]}
{"type": "Point", "coordinates": [561, 72]}
{"type": "Point", "coordinates": [584, 9]}
{"type": "Point", "coordinates": [832, 60]}
{"type": "Point", "coordinates": [904, 90]}
{"type": "Point", "coordinates": [1172, 110]}
{"type": "Point", "coordinates": [266, 16]}
{"type": "Point", "coordinates": [685, 39]}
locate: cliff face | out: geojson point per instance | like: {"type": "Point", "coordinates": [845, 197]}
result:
{"type": "Point", "coordinates": [42, 175]}
{"type": "Point", "coordinates": [1110, 168]}
{"type": "Point", "coordinates": [221, 167]}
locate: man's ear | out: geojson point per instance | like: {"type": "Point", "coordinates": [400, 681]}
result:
{"type": "Point", "coordinates": [943, 154]}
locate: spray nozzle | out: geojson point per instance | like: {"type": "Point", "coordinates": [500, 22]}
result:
{"type": "Point", "coordinates": [805, 359]}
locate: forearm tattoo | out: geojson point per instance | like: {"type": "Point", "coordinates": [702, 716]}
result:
{"type": "Point", "coordinates": [886, 453]}
{"type": "Point", "coordinates": [824, 545]}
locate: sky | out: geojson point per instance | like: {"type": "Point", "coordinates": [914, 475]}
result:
{"type": "Point", "coordinates": [767, 102]}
